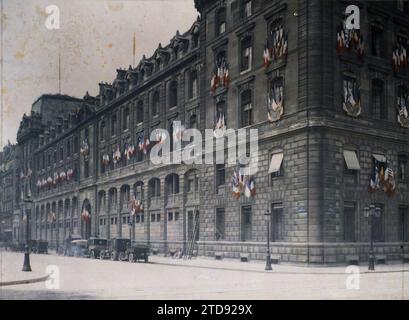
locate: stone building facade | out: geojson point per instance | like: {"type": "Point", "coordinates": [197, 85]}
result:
{"type": "Point", "coordinates": [8, 186]}
{"type": "Point", "coordinates": [323, 113]}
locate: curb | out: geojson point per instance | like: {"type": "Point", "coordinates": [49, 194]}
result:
{"type": "Point", "coordinates": [28, 281]}
{"type": "Point", "coordinates": [275, 271]}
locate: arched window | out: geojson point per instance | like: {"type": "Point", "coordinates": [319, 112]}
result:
{"type": "Point", "coordinates": [220, 21]}
{"type": "Point", "coordinates": [112, 200]}
{"type": "Point", "coordinates": [138, 190]}
{"type": "Point", "coordinates": [172, 184]}
{"type": "Point", "coordinates": [173, 94]}
{"type": "Point", "coordinates": [125, 197]}
{"type": "Point", "coordinates": [139, 112]}
{"type": "Point", "coordinates": [154, 187]}
{"type": "Point", "coordinates": [192, 181]}
{"type": "Point", "coordinates": [246, 108]}
{"type": "Point", "coordinates": [155, 103]}
{"type": "Point", "coordinates": [379, 110]}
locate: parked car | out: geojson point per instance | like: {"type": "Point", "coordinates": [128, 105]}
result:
{"type": "Point", "coordinates": [79, 248]}
{"type": "Point", "coordinates": [38, 246]}
{"type": "Point", "coordinates": [137, 251]}
{"type": "Point", "coordinates": [96, 246]}
{"type": "Point", "coordinates": [117, 249]}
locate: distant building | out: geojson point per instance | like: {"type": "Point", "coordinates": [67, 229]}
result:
{"type": "Point", "coordinates": [329, 105]}
{"type": "Point", "coordinates": [8, 188]}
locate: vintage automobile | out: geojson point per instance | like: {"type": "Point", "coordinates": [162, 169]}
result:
{"type": "Point", "coordinates": [38, 246]}
{"type": "Point", "coordinates": [79, 248]}
{"type": "Point", "coordinates": [137, 251]}
{"type": "Point", "coordinates": [117, 249]}
{"type": "Point", "coordinates": [96, 246]}
{"type": "Point", "coordinates": [42, 246]}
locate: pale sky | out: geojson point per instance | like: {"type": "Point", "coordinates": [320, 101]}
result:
{"type": "Point", "coordinates": [95, 39]}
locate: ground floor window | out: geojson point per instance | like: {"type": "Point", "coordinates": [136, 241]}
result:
{"type": "Point", "coordinates": [277, 225]}
{"type": "Point", "coordinates": [349, 222]}
{"type": "Point", "coordinates": [220, 224]}
{"type": "Point", "coordinates": [245, 223]}
{"type": "Point", "coordinates": [378, 228]}
{"type": "Point", "coordinates": [403, 231]}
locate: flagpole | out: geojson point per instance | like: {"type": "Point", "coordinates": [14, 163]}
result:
{"type": "Point", "coordinates": [59, 66]}
{"type": "Point", "coordinates": [1, 75]}
{"type": "Point", "coordinates": [134, 49]}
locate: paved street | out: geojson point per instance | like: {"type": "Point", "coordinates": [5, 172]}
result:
{"type": "Point", "coordinates": [167, 278]}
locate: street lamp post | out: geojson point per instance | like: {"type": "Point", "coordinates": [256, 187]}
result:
{"type": "Point", "coordinates": [371, 212]}
{"type": "Point", "coordinates": [268, 257]}
{"type": "Point", "coordinates": [26, 264]}
{"type": "Point", "coordinates": [130, 224]}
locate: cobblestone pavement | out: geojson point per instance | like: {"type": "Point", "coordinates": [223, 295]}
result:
{"type": "Point", "coordinates": [167, 278]}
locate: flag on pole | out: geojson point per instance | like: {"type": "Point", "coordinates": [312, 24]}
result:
{"type": "Point", "coordinates": [134, 48]}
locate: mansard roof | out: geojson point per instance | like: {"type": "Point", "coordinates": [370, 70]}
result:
{"type": "Point", "coordinates": [187, 37]}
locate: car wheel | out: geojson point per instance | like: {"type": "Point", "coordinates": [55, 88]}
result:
{"type": "Point", "coordinates": [146, 259]}
{"type": "Point", "coordinates": [101, 256]}
{"type": "Point", "coordinates": [113, 256]}
{"type": "Point", "coordinates": [131, 258]}
{"type": "Point", "coordinates": [92, 254]}
{"type": "Point", "coordinates": [122, 256]}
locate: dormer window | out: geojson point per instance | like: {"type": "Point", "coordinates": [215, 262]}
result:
{"type": "Point", "coordinates": [221, 21]}
{"type": "Point", "coordinates": [158, 65]}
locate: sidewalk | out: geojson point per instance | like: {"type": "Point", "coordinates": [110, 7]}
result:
{"type": "Point", "coordinates": [258, 266]}
{"type": "Point", "coordinates": [11, 274]}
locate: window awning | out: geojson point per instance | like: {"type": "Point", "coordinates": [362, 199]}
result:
{"type": "Point", "coordinates": [351, 160]}
{"type": "Point", "coordinates": [379, 157]}
{"type": "Point", "coordinates": [275, 163]}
